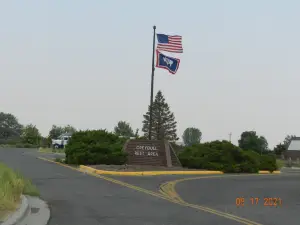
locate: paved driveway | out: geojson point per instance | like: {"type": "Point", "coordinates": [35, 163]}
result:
{"type": "Point", "coordinates": [79, 199]}
{"type": "Point", "coordinates": [76, 198]}
{"type": "Point", "coordinates": [221, 194]}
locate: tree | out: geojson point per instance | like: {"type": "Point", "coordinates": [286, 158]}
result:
{"type": "Point", "coordinates": [9, 126]}
{"type": "Point", "coordinates": [251, 141]}
{"type": "Point", "coordinates": [279, 149]}
{"type": "Point", "coordinates": [123, 129]}
{"type": "Point", "coordinates": [263, 143]}
{"type": "Point", "coordinates": [136, 135]}
{"type": "Point", "coordinates": [163, 120]}
{"type": "Point", "coordinates": [191, 136]}
{"type": "Point", "coordinates": [287, 140]}
{"type": "Point", "coordinates": [30, 134]}
{"type": "Point", "coordinates": [69, 129]}
{"type": "Point", "coordinates": [56, 131]}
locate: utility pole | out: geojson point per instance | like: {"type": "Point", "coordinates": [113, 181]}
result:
{"type": "Point", "coordinates": [230, 137]}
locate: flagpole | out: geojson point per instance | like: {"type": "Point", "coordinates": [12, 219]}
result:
{"type": "Point", "coordinates": [152, 83]}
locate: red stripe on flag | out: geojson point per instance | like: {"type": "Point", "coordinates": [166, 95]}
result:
{"type": "Point", "coordinates": [170, 45]}
{"type": "Point", "coordinates": [175, 50]}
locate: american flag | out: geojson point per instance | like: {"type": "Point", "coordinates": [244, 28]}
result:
{"type": "Point", "coordinates": [169, 43]}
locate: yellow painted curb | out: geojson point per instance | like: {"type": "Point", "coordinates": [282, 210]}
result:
{"type": "Point", "coordinates": [268, 172]}
{"type": "Point", "coordinates": [148, 173]}
{"type": "Point", "coordinates": [155, 173]}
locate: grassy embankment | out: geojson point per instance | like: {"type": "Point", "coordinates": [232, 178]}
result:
{"type": "Point", "coordinates": [12, 185]}
{"type": "Point", "coordinates": [18, 145]}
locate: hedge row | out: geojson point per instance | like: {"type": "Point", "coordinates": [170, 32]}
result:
{"type": "Point", "coordinates": [95, 147]}
{"type": "Point", "coordinates": [226, 157]}
{"type": "Point", "coordinates": [101, 147]}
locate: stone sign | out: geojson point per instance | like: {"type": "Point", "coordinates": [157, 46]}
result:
{"type": "Point", "coordinates": [153, 153]}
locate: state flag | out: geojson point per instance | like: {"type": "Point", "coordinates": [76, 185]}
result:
{"type": "Point", "coordinates": [166, 62]}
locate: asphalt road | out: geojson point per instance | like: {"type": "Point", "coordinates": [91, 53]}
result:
{"type": "Point", "coordinates": [221, 194]}
{"type": "Point", "coordinates": [77, 199]}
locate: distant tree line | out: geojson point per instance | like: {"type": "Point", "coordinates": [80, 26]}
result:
{"type": "Point", "coordinates": [19, 135]}
{"type": "Point", "coordinates": [164, 127]}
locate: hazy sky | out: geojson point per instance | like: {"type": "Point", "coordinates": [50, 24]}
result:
{"type": "Point", "coordinates": [88, 64]}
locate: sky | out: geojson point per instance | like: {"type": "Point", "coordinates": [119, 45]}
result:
{"type": "Point", "coordinates": [88, 64]}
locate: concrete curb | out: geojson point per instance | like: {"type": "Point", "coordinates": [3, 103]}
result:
{"type": "Point", "coordinates": [156, 173]}
{"type": "Point", "coordinates": [19, 214]}
{"type": "Point", "coordinates": [39, 213]}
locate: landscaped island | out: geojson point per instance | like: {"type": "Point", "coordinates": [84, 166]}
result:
{"type": "Point", "coordinates": [102, 147]}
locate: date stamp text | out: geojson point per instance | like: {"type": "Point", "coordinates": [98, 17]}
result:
{"type": "Point", "coordinates": [268, 202]}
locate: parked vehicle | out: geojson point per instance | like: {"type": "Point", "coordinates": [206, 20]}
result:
{"type": "Point", "coordinates": [61, 141]}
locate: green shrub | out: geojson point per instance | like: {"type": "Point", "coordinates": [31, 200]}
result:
{"type": "Point", "coordinates": [250, 162]}
{"type": "Point", "coordinates": [268, 162]}
{"type": "Point", "coordinates": [216, 155]}
{"type": "Point", "coordinates": [226, 157]}
{"type": "Point", "coordinates": [95, 147]}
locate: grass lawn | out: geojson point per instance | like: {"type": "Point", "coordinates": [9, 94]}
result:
{"type": "Point", "coordinates": [50, 150]}
{"type": "Point", "coordinates": [12, 185]}
{"type": "Point", "coordinates": [7, 146]}
{"type": "Point", "coordinates": [280, 163]}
